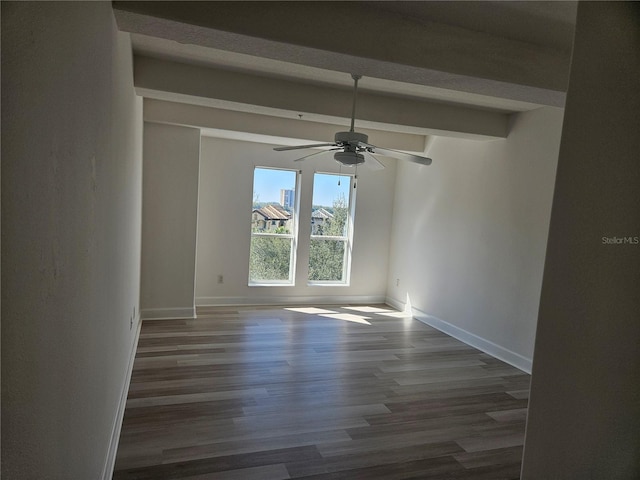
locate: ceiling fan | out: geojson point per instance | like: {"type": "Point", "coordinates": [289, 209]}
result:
{"type": "Point", "coordinates": [351, 147]}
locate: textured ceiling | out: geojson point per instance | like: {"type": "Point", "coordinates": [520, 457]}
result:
{"type": "Point", "coordinates": [549, 23]}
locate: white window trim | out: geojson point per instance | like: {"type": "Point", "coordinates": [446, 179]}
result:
{"type": "Point", "coordinates": [348, 239]}
{"type": "Point", "coordinates": [291, 281]}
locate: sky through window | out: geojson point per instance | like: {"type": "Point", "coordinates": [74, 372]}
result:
{"type": "Point", "coordinates": [268, 182]}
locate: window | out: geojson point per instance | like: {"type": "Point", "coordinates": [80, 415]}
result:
{"type": "Point", "coordinates": [273, 227]}
{"type": "Point", "coordinates": [331, 229]}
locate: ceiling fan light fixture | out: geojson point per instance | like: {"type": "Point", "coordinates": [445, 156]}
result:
{"type": "Point", "coordinates": [349, 158]}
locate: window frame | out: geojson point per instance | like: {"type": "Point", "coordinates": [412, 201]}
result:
{"type": "Point", "coordinates": [347, 238]}
{"type": "Point", "coordinates": [293, 236]}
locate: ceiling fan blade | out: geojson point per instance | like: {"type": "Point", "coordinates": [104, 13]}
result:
{"type": "Point", "coordinates": [395, 153]}
{"type": "Point", "coordinates": [316, 153]}
{"type": "Point", "coordinates": [373, 163]}
{"type": "Point", "coordinates": [281, 149]}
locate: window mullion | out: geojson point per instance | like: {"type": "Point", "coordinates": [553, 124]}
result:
{"type": "Point", "coordinates": [328, 237]}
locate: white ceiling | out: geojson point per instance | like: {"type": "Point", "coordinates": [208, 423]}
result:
{"type": "Point", "coordinates": [548, 23]}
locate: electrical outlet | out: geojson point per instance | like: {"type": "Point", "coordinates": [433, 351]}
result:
{"type": "Point", "coordinates": [397, 282]}
{"type": "Point", "coordinates": [220, 279]}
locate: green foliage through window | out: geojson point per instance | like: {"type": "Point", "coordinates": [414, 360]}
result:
{"type": "Point", "coordinates": [326, 260]}
{"type": "Point", "coordinates": [270, 259]}
{"type": "Point", "coordinates": [328, 254]}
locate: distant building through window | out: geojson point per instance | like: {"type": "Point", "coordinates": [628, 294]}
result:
{"type": "Point", "coordinates": [269, 218]}
{"type": "Point", "coordinates": [287, 198]}
{"type": "Point", "coordinates": [320, 218]}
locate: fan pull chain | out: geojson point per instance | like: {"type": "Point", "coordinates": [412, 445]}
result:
{"type": "Point", "coordinates": [339, 174]}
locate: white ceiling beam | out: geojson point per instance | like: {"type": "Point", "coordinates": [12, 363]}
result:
{"type": "Point", "coordinates": [356, 37]}
{"type": "Point", "coordinates": [286, 98]}
{"type": "Point", "coordinates": [266, 128]}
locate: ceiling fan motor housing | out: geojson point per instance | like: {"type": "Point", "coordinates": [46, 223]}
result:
{"type": "Point", "coordinates": [351, 137]}
{"type": "Point", "coordinates": [350, 155]}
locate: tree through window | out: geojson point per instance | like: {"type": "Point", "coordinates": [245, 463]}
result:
{"type": "Point", "coordinates": [331, 229]}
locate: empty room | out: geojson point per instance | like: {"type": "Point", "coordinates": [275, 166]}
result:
{"type": "Point", "coordinates": [320, 240]}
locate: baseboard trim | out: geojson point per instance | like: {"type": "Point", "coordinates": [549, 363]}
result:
{"type": "Point", "coordinates": [110, 463]}
{"type": "Point", "coordinates": [392, 302]}
{"type": "Point", "coordinates": [168, 313]}
{"type": "Point", "coordinates": [501, 353]}
{"type": "Point", "coordinates": [291, 300]}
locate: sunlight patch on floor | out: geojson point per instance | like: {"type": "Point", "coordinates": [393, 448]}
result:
{"type": "Point", "coordinates": [348, 317]}
{"type": "Point", "coordinates": [310, 310]}
{"type": "Point", "coordinates": [351, 317]}
{"type": "Point", "coordinates": [365, 309]}
{"type": "Point", "coordinates": [393, 314]}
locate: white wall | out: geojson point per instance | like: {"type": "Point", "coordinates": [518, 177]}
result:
{"type": "Point", "coordinates": [584, 410]}
{"type": "Point", "coordinates": [71, 209]}
{"type": "Point", "coordinates": [169, 213]}
{"type": "Point", "coordinates": [469, 234]}
{"type": "Point", "coordinates": [224, 226]}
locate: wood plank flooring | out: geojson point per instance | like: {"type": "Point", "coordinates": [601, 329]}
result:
{"type": "Point", "coordinates": [326, 393]}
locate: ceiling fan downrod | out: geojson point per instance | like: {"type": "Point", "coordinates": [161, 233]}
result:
{"type": "Point", "coordinates": [355, 95]}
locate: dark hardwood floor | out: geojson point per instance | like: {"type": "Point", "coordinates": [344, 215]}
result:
{"type": "Point", "coordinates": [317, 393]}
